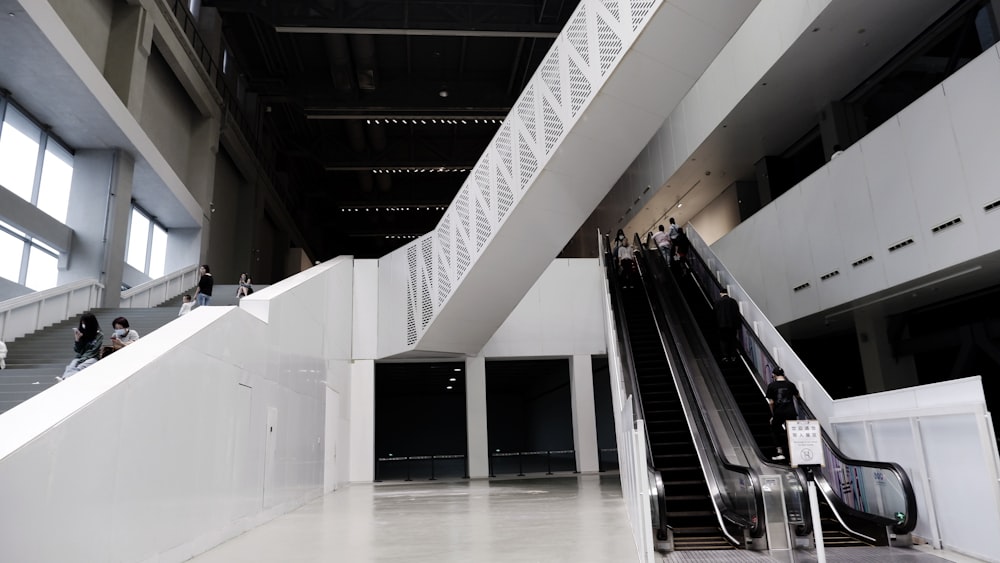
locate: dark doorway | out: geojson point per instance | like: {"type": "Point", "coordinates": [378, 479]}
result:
{"type": "Point", "coordinates": [420, 413]}
{"type": "Point", "coordinates": [607, 442]}
{"type": "Point", "coordinates": [529, 417]}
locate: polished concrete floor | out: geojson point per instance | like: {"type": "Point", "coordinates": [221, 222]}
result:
{"type": "Point", "coordinates": [573, 519]}
{"type": "Point", "coordinates": [579, 519]}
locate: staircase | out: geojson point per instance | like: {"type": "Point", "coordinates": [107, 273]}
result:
{"type": "Point", "coordinates": [35, 359]}
{"type": "Point", "coordinates": [688, 503]}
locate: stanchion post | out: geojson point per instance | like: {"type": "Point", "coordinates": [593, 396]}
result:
{"type": "Point", "coordinates": [814, 510]}
{"type": "Point", "coordinates": [548, 462]}
{"type": "Point", "coordinates": [432, 469]}
{"type": "Point", "coordinates": [520, 465]}
{"type": "Point", "coordinates": [408, 468]}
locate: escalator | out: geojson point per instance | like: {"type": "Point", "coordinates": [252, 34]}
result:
{"type": "Point", "coordinates": [709, 498]}
{"type": "Point", "coordinates": [686, 501]}
{"type": "Point", "coordinates": [868, 521]}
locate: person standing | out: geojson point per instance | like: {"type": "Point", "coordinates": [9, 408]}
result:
{"type": "Point", "coordinates": [203, 294]}
{"type": "Point", "coordinates": [781, 395]}
{"type": "Point", "coordinates": [186, 305]}
{"type": "Point", "coordinates": [662, 240]}
{"type": "Point", "coordinates": [727, 318]}
{"type": "Point", "coordinates": [87, 341]}
{"type": "Point", "coordinates": [626, 264]}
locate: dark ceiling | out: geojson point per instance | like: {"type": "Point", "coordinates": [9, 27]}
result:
{"type": "Point", "coordinates": [377, 109]}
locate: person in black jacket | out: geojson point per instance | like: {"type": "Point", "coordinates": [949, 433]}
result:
{"type": "Point", "coordinates": [727, 317]}
{"type": "Point", "coordinates": [203, 294]}
{"type": "Point", "coordinates": [781, 395]}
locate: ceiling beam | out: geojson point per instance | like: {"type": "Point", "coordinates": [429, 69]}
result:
{"type": "Point", "coordinates": [331, 29]}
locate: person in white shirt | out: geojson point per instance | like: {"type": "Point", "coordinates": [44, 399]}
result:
{"type": "Point", "coordinates": [626, 264]}
{"type": "Point", "coordinates": [123, 335]}
{"type": "Point", "coordinates": [185, 306]}
{"type": "Point", "coordinates": [662, 241]}
{"type": "Point", "coordinates": [3, 355]}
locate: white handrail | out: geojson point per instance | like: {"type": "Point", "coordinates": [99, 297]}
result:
{"type": "Point", "coordinates": [155, 292]}
{"type": "Point", "coordinates": [27, 313]}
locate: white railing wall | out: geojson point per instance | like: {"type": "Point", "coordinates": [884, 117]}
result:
{"type": "Point", "coordinates": [199, 431]}
{"type": "Point", "coordinates": [631, 439]}
{"type": "Point", "coordinates": [27, 313]}
{"type": "Point", "coordinates": [943, 435]}
{"type": "Point", "coordinates": [155, 292]}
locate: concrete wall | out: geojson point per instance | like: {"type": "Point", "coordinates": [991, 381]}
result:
{"type": "Point", "coordinates": [90, 22]}
{"type": "Point", "coordinates": [167, 114]}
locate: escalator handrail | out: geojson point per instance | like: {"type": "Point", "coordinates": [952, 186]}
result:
{"type": "Point", "coordinates": [910, 518]}
{"type": "Point", "coordinates": [628, 367]}
{"type": "Point", "coordinates": [679, 367]}
{"type": "Point", "coordinates": [624, 350]}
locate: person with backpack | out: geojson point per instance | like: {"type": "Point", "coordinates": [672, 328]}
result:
{"type": "Point", "coordinates": [781, 395]}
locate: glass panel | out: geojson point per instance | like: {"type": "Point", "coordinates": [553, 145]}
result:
{"type": "Point", "coordinates": [57, 174]}
{"type": "Point", "coordinates": [138, 236]}
{"type": "Point", "coordinates": [43, 269]}
{"type": "Point", "coordinates": [19, 139]}
{"type": "Point", "coordinates": [158, 252]}
{"type": "Point", "coordinates": [12, 249]}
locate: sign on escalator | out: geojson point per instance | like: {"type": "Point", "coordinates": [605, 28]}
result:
{"type": "Point", "coordinates": [805, 442]}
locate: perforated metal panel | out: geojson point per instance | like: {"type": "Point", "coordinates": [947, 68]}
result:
{"type": "Point", "coordinates": [593, 42]}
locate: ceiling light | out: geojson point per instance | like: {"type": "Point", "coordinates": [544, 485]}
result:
{"type": "Point", "coordinates": [443, 93]}
{"type": "Point", "coordinates": [424, 122]}
{"type": "Point", "coordinates": [452, 379]}
{"type": "Point", "coordinates": [457, 369]}
{"type": "Point", "coordinates": [680, 205]}
{"type": "Point", "coordinates": [448, 387]}
{"type": "Point", "coordinates": [369, 122]}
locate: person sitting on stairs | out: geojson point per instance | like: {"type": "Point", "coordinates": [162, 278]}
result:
{"type": "Point", "coordinates": [87, 341]}
{"type": "Point", "coordinates": [123, 335]}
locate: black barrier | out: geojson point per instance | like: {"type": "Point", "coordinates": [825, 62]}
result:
{"type": "Point", "coordinates": [419, 465]}
{"type": "Point", "coordinates": [535, 461]}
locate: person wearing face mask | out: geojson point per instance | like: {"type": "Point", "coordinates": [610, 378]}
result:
{"type": "Point", "coordinates": [87, 341]}
{"type": "Point", "coordinates": [123, 335]}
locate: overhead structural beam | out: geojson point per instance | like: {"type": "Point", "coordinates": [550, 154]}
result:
{"type": "Point", "coordinates": [423, 32]}
{"type": "Point", "coordinates": [416, 115]}
{"type": "Point", "coordinates": [389, 168]}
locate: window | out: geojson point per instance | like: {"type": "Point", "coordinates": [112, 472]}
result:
{"type": "Point", "coordinates": [57, 174]}
{"type": "Point", "coordinates": [147, 244]}
{"type": "Point", "coordinates": [19, 141]}
{"type": "Point", "coordinates": [40, 271]}
{"type": "Point", "coordinates": [33, 165]}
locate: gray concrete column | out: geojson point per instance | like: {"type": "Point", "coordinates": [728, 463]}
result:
{"type": "Point", "coordinates": [581, 381]}
{"type": "Point", "coordinates": [99, 207]}
{"type": "Point", "coordinates": [475, 413]}
{"type": "Point", "coordinates": [129, 46]}
{"type": "Point", "coordinates": [200, 177]}
{"type": "Point", "coordinates": [883, 372]}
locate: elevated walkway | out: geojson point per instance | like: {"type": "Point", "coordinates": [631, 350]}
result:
{"type": "Point", "coordinates": [609, 81]}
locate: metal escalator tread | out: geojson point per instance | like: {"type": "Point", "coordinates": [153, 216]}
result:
{"type": "Point", "coordinates": [688, 504]}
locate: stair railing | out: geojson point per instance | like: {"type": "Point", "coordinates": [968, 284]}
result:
{"type": "Point", "coordinates": [27, 313]}
{"type": "Point", "coordinates": [155, 292]}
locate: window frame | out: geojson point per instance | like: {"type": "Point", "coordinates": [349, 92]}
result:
{"type": "Point", "coordinates": [153, 224]}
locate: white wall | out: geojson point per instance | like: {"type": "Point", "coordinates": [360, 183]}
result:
{"type": "Point", "coordinates": [560, 315]}
{"type": "Point", "coordinates": [941, 435]}
{"type": "Point", "coordinates": [203, 429]}
{"type": "Point", "coordinates": [932, 163]}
